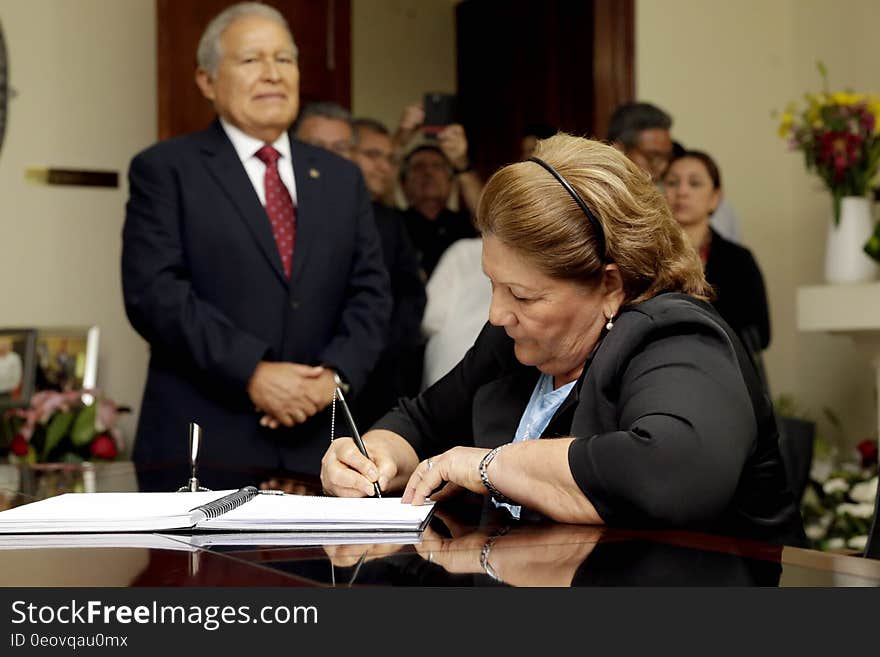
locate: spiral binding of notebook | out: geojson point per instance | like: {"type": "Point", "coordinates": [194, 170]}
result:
{"type": "Point", "coordinates": [229, 502]}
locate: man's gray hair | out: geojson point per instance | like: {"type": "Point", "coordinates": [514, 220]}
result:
{"type": "Point", "coordinates": [325, 110]}
{"type": "Point", "coordinates": [631, 119]}
{"type": "Point", "coordinates": [210, 51]}
{"type": "Point", "coordinates": [371, 125]}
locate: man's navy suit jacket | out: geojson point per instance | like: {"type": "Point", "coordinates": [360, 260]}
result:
{"type": "Point", "coordinates": [203, 284]}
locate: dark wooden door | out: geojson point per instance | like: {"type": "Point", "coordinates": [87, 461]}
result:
{"type": "Point", "coordinates": [563, 62]}
{"type": "Point", "coordinates": [321, 28]}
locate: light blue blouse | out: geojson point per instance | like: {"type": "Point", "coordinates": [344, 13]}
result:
{"type": "Point", "coordinates": [541, 407]}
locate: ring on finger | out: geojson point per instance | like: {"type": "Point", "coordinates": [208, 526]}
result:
{"type": "Point", "coordinates": [430, 464]}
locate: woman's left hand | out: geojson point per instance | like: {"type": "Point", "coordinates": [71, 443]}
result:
{"type": "Point", "coordinates": [460, 466]}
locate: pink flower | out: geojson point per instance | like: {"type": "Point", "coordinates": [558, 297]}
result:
{"type": "Point", "coordinates": [107, 414]}
{"type": "Point", "coordinates": [45, 403]}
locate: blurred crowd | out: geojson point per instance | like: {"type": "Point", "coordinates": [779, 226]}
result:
{"type": "Point", "coordinates": [425, 193]}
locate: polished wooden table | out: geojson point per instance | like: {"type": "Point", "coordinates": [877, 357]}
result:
{"type": "Point", "coordinates": [465, 546]}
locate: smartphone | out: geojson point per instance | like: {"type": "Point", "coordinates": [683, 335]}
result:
{"type": "Point", "coordinates": [439, 112]}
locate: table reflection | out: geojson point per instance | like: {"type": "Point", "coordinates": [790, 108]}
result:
{"type": "Point", "coordinates": [452, 554]}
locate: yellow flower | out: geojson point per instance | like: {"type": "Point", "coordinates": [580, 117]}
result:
{"type": "Point", "coordinates": [874, 108]}
{"type": "Point", "coordinates": [846, 98]}
{"type": "Point", "coordinates": [785, 124]}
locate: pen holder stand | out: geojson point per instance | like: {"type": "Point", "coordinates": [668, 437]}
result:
{"type": "Point", "coordinates": [192, 486]}
{"type": "Point", "coordinates": [195, 440]}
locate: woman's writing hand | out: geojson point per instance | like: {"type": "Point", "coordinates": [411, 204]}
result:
{"type": "Point", "coordinates": [345, 472]}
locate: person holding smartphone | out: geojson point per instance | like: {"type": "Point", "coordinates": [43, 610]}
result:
{"type": "Point", "coordinates": [429, 173]}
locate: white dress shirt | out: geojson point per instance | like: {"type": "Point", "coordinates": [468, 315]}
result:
{"type": "Point", "coordinates": [459, 295]}
{"type": "Point", "coordinates": [246, 148]}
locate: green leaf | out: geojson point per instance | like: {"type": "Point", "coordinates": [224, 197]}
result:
{"type": "Point", "coordinates": [71, 457]}
{"type": "Point", "coordinates": [57, 429]}
{"type": "Point", "coordinates": [84, 427]}
{"type": "Point", "coordinates": [872, 246]}
{"type": "Point", "coordinates": [832, 418]}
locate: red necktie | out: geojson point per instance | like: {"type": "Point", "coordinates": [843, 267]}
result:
{"type": "Point", "coordinates": [279, 207]}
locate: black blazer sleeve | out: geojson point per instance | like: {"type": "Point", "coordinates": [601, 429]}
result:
{"type": "Point", "coordinates": [362, 331]}
{"type": "Point", "coordinates": [408, 290]}
{"type": "Point", "coordinates": [687, 427]}
{"type": "Point", "coordinates": [157, 289]}
{"type": "Point", "coordinates": [741, 298]}
{"type": "Point", "coordinates": [441, 417]}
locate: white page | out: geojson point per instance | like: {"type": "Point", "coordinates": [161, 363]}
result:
{"type": "Point", "coordinates": [305, 513]}
{"type": "Point", "coordinates": [103, 512]}
{"type": "Point", "coordinates": [281, 540]}
{"type": "Point", "coordinates": [105, 540]}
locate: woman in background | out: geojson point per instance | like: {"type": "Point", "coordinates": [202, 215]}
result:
{"type": "Point", "coordinates": [692, 186]}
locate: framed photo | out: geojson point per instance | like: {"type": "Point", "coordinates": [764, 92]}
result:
{"type": "Point", "coordinates": [17, 366]}
{"type": "Point", "coordinates": [67, 358]}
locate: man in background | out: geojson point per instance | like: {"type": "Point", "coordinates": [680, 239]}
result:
{"type": "Point", "coordinates": [374, 153]}
{"type": "Point", "coordinates": [366, 141]}
{"type": "Point", "coordinates": [435, 166]}
{"type": "Point", "coordinates": [252, 266]}
{"type": "Point", "coordinates": [325, 125]}
{"type": "Point", "coordinates": [426, 177]}
{"type": "Point", "coordinates": [642, 132]}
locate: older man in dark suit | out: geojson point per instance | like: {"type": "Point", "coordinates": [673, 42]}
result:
{"type": "Point", "coordinates": [252, 266]}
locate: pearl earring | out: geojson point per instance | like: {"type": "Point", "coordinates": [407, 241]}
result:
{"type": "Point", "coordinates": [610, 324]}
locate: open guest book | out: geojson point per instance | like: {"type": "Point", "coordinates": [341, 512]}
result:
{"type": "Point", "coordinates": [193, 541]}
{"type": "Point", "coordinates": [246, 509]}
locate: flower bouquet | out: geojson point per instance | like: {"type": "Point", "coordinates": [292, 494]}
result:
{"type": "Point", "coordinates": [838, 505]}
{"type": "Point", "coordinates": [67, 427]}
{"type": "Point", "coordinates": [839, 136]}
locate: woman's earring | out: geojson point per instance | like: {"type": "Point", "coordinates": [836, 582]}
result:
{"type": "Point", "coordinates": [610, 324]}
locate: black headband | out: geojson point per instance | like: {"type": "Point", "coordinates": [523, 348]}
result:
{"type": "Point", "coordinates": [597, 226]}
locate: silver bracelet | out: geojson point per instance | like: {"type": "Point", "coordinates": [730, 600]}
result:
{"type": "Point", "coordinates": [484, 477]}
{"type": "Point", "coordinates": [484, 555]}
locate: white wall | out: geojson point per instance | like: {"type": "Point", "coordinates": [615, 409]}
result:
{"type": "Point", "coordinates": [721, 68]}
{"type": "Point", "coordinates": [400, 49]}
{"type": "Point", "coordinates": [831, 372]}
{"type": "Point", "coordinates": [85, 73]}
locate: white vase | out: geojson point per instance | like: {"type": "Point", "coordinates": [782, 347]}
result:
{"type": "Point", "coordinates": [845, 259]}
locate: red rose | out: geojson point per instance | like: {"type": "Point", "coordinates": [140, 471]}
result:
{"type": "Point", "coordinates": [868, 451]}
{"type": "Point", "coordinates": [19, 445]}
{"type": "Point", "coordinates": [103, 447]}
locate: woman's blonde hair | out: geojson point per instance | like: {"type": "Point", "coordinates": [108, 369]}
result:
{"type": "Point", "coordinates": [527, 209]}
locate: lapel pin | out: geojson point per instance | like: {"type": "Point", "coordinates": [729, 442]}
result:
{"type": "Point", "coordinates": [314, 173]}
